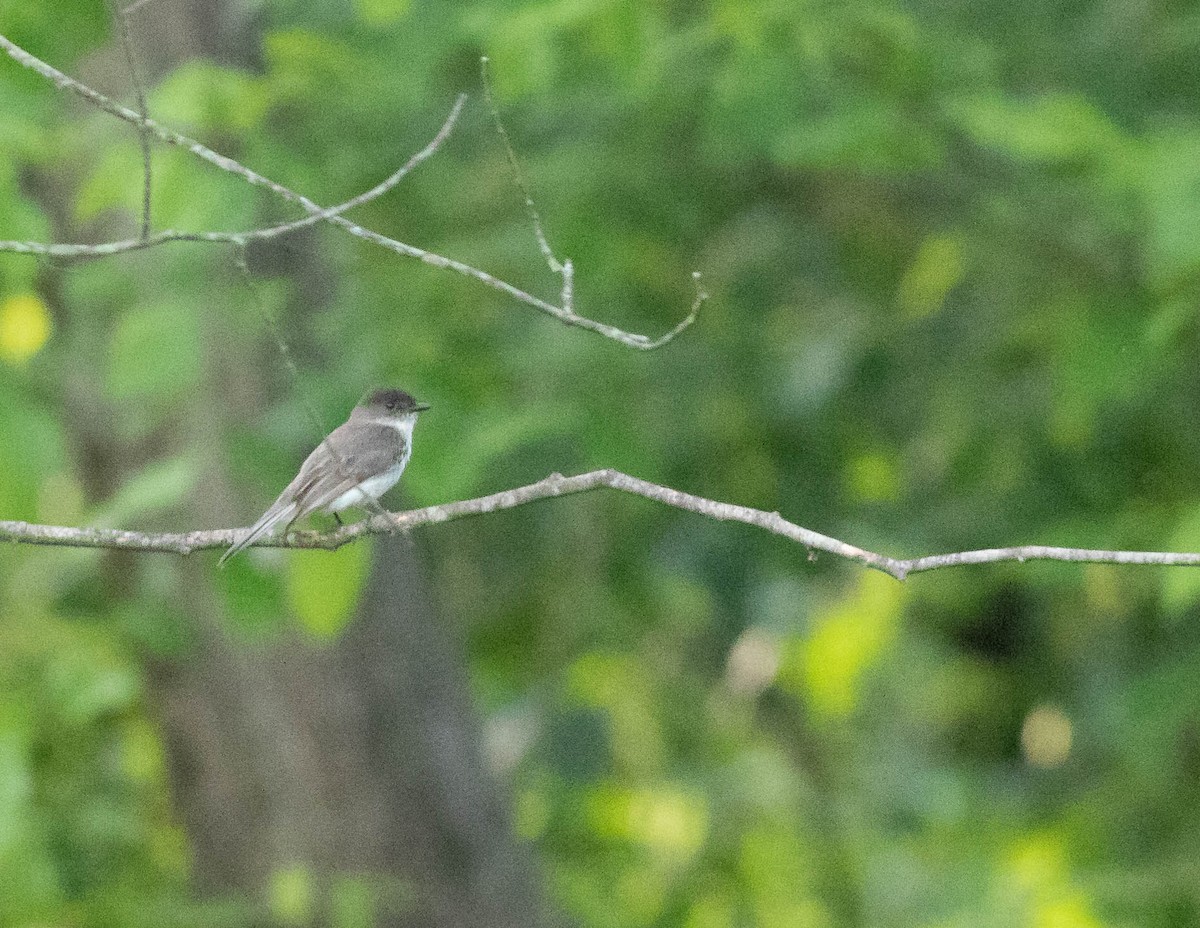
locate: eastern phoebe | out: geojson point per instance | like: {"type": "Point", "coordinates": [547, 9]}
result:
{"type": "Point", "coordinates": [356, 464]}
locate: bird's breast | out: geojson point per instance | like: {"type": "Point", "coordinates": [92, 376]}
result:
{"type": "Point", "coordinates": [370, 489]}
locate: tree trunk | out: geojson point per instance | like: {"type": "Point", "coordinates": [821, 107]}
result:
{"type": "Point", "coordinates": [360, 756]}
{"type": "Point", "coordinates": [298, 765]}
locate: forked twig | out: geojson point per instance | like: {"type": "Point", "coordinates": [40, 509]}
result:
{"type": "Point", "coordinates": [564, 314]}
{"type": "Point", "coordinates": [565, 269]}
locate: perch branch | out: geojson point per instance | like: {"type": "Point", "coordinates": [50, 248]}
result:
{"type": "Point", "coordinates": [558, 485]}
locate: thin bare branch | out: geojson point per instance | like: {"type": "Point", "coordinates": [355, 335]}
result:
{"type": "Point", "coordinates": [697, 302]}
{"type": "Point", "coordinates": [565, 269]}
{"type": "Point", "coordinates": [59, 250]}
{"type": "Point", "coordinates": [120, 18]}
{"type": "Point", "coordinates": [558, 485]}
{"type": "Point", "coordinates": [535, 219]}
{"type": "Point", "coordinates": [564, 314]}
{"type": "Point", "coordinates": [285, 353]}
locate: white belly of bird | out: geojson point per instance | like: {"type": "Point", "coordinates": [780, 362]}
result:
{"type": "Point", "coordinates": [363, 495]}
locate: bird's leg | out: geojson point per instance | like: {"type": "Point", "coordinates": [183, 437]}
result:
{"type": "Point", "coordinates": [338, 519]}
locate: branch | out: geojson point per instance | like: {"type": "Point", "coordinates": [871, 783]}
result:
{"type": "Point", "coordinates": [565, 269]}
{"type": "Point", "coordinates": [564, 313]}
{"type": "Point", "coordinates": [121, 20]}
{"type": "Point", "coordinates": [105, 249]}
{"type": "Point", "coordinates": [558, 485]}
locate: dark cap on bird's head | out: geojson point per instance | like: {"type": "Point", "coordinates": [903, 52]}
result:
{"type": "Point", "coordinates": [391, 402]}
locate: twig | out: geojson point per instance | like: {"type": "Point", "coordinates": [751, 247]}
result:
{"type": "Point", "coordinates": [565, 269]}
{"type": "Point", "coordinates": [564, 314]}
{"type": "Point", "coordinates": [59, 250]}
{"type": "Point", "coordinates": [121, 20]}
{"type": "Point", "coordinates": [558, 485]}
{"type": "Point", "coordinates": [314, 417]}
{"type": "Point", "coordinates": [535, 219]}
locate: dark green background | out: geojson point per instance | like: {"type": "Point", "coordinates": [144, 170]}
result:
{"type": "Point", "coordinates": [954, 260]}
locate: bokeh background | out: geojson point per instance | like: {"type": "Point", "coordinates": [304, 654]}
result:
{"type": "Point", "coordinates": [954, 262]}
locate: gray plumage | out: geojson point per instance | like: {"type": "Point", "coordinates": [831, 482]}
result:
{"type": "Point", "coordinates": [357, 463]}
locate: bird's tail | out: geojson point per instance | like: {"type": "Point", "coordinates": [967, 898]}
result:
{"type": "Point", "coordinates": [269, 520]}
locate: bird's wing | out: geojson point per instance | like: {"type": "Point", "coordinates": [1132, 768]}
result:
{"type": "Point", "coordinates": [334, 468]}
{"type": "Point", "coordinates": [331, 470]}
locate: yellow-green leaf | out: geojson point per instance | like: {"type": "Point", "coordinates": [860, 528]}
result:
{"type": "Point", "coordinates": [849, 639]}
{"type": "Point", "coordinates": [382, 12]}
{"type": "Point", "coordinates": [935, 271]}
{"type": "Point", "coordinates": [291, 895]}
{"type": "Point", "coordinates": [323, 586]}
{"type": "Point", "coordinates": [154, 353]}
{"type": "Point", "coordinates": [25, 327]}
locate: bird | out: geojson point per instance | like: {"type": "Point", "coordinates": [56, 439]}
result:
{"type": "Point", "coordinates": [353, 466]}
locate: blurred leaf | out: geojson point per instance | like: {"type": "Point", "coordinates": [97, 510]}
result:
{"type": "Point", "coordinates": [873, 477]}
{"type": "Point", "coordinates": [162, 485]}
{"type": "Point", "coordinates": [290, 895]}
{"type": "Point", "coordinates": [1170, 188]}
{"type": "Point", "coordinates": [665, 819]}
{"type": "Point", "coordinates": [353, 903]}
{"type": "Point", "coordinates": [323, 586]}
{"type": "Point", "coordinates": [937, 269]}
{"type": "Point", "coordinates": [42, 24]}
{"type": "Point", "coordinates": [142, 755]}
{"type": "Point", "coordinates": [780, 874]}
{"type": "Point", "coordinates": [114, 182]}
{"type": "Point", "coordinates": [23, 219]}
{"type": "Point", "coordinates": [382, 12]}
{"type": "Point", "coordinates": [848, 639]}
{"type": "Point", "coordinates": [870, 136]}
{"type": "Point", "coordinates": [531, 814]}
{"type": "Point", "coordinates": [31, 447]}
{"type": "Point", "coordinates": [153, 355]}
{"type": "Point", "coordinates": [88, 689]}
{"type": "Point", "coordinates": [306, 65]}
{"type": "Point", "coordinates": [454, 461]}
{"type": "Point", "coordinates": [255, 595]}
{"type": "Point", "coordinates": [199, 96]}
{"type": "Point", "coordinates": [621, 687]}
{"type": "Point", "coordinates": [1051, 127]}
{"type": "Point", "coordinates": [1099, 363]}
{"type": "Point", "coordinates": [193, 197]}
{"type": "Point", "coordinates": [1036, 882]}
{"type": "Point", "coordinates": [24, 327]}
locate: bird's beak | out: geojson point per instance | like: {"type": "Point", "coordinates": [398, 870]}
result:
{"type": "Point", "coordinates": [421, 407]}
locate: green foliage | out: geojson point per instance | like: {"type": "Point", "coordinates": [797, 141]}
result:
{"type": "Point", "coordinates": [323, 589]}
{"type": "Point", "coordinates": [85, 828]}
{"type": "Point", "coordinates": [30, 449]}
{"type": "Point", "coordinates": [954, 265]}
{"type": "Point", "coordinates": [152, 356]}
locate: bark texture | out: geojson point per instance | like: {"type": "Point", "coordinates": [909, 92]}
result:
{"type": "Point", "coordinates": [360, 756]}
